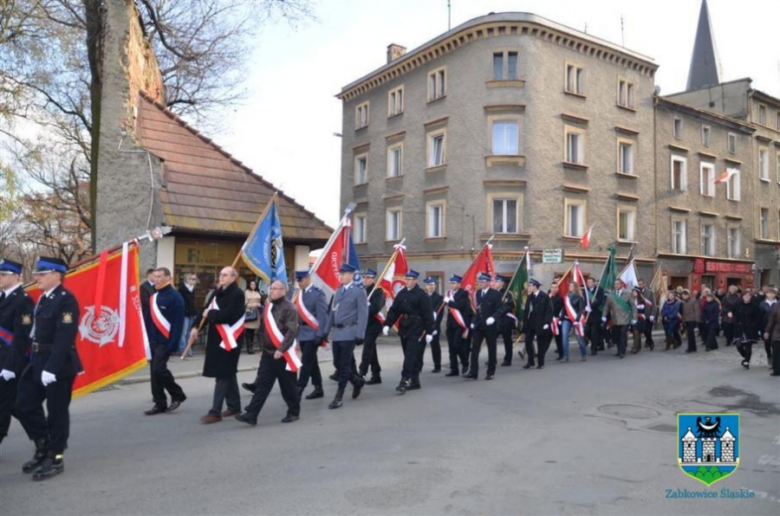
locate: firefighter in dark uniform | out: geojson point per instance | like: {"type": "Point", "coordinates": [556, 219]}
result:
{"type": "Point", "coordinates": [50, 374]}
{"type": "Point", "coordinates": [376, 302]}
{"type": "Point", "coordinates": [484, 326]}
{"type": "Point", "coordinates": [437, 304]}
{"type": "Point", "coordinates": [413, 308]}
{"type": "Point", "coordinates": [508, 322]}
{"type": "Point", "coordinates": [16, 312]}
{"type": "Point", "coordinates": [458, 320]}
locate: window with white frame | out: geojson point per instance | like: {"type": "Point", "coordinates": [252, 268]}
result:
{"type": "Point", "coordinates": [734, 242]}
{"type": "Point", "coordinates": [732, 143]}
{"type": "Point", "coordinates": [626, 224]}
{"type": "Point", "coordinates": [762, 115]}
{"type": "Point", "coordinates": [625, 94]}
{"type": "Point", "coordinates": [574, 218]}
{"type": "Point", "coordinates": [575, 147]}
{"type": "Point", "coordinates": [359, 228]}
{"type": "Point", "coordinates": [436, 148]}
{"type": "Point", "coordinates": [763, 164]}
{"type": "Point", "coordinates": [505, 138]}
{"type": "Point", "coordinates": [505, 65]}
{"type": "Point", "coordinates": [734, 187]}
{"type": "Point", "coordinates": [679, 236]}
{"type": "Point", "coordinates": [435, 224]}
{"type": "Point", "coordinates": [708, 239]}
{"type": "Point", "coordinates": [395, 160]}
{"type": "Point", "coordinates": [395, 101]}
{"type": "Point", "coordinates": [707, 179]}
{"type": "Point", "coordinates": [575, 79]}
{"type": "Point", "coordinates": [393, 224]}
{"type": "Point", "coordinates": [437, 84]}
{"type": "Point", "coordinates": [705, 135]}
{"type": "Point", "coordinates": [764, 223]}
{"type": "Point", "coordinates": [679, 173]}
{"type": "Point", "coordinates": [361, 115]}
{"type": "Point", "coordinates": [678, 127]}
{"type": "Point", "coordinates": [625, 157]}
{"type": "Point", "coordinates": [361, 169]}
{"type": "Point", "coordinates": [505, 215]}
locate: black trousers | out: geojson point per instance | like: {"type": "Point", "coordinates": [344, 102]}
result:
{"type": "Point", "coordinates": [775, 356]}
{"type": "Point", "coordinates": [455, 345]}
{"type": "Point", "coordinates": [648, 333]}
{"type": "Point", "coordinates": [767, 348]}
{"type": "Point", "coordinates": [690, 331]}
{"type": "Point", "coordinates": [8, 392]}
{"type": "Point", "coordinates": [226, 390]}
{"type": "Point", "coordinates": [711, 342]}
{"type": "Point", "coordinates": [369, 358]}
{"type": "Point", "coordinates": [413, 349]}
{"type": "Point", "coordinates": [542, 342]}
{"type": "Point", "coordinates": [490, 336]}
{"type": "Point", "coordinates": [435, 351]}
{"type": "Point", "coordinates": [745, 349]}
{"type": "Point", "coordinates": [269, 371]}
{"type": "Point", "coordinates": [54, 426]}
{"type": "Point", "coordinates": [559, 341]}
{"type": "Point", "coordinates": [506, 335]}
{"type": "Point", "coordinates": [310, 366]}
{"type": "Point", "coordinates": [620, 338]}
{"type": "Point", "coordinates": [728, 332]}
{"type": "Point", "coordinates": [594, 334]}
{"type": "Point", "coordinates": [344, 360]}
{"type": "Point", "coordinates": [162, 378]}
{"type": "Point", "coordinates": [249, 338]}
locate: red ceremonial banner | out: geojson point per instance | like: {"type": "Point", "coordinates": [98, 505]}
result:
{"type": "Point", "coordinates": [112, 342]}
{"type": "Point", "coordinates": [482, 263]}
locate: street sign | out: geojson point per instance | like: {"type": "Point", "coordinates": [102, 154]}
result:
{"type": "Point", "coordinates": [552, 256]}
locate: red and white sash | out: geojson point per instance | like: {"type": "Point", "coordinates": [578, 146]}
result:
{"type": "Point", "coordinates": [291, 355]}
{"type": "Point", "coordinates": [457, 316]}
{"type": "Point", "coordinates": [159, 320]}
{"type": "Point", "coordinates": [305, 314]}
{"type": "Point", "coordinates": [229, 333]}
{"type": "Point", "coordinates": [571, 314]}
{"type": "Point", "coordinates": [554, 326]}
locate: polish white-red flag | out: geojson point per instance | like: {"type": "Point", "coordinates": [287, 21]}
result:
{"type": "Point", "coordinates": [482, 263]}
{"type": "Point", "coordinates": [325, 271]}
{"type": "Point", "coordinates": [395, 272]}
{"type": "Point", "coordinates": [585, 243]}
{"type": "Point", "coordinates": [728, 174]}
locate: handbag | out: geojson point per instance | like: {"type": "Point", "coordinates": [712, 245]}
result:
{"type": "Point", "coordinates": [251, 315]}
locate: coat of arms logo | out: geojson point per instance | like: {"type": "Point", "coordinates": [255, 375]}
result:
{"type": "Point", "coordinates": [708, 445]}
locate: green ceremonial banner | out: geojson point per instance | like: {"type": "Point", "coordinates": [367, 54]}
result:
{"type": "Point", "coordinates": [517, 287]}
{"type": "Point", "coordinates": [608, 275]}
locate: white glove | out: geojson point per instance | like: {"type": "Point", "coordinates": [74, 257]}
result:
{"type": "Point", "coordinates": [652, 318]}
{"type": "Point", "coordinates": [490, 321]}
{"type": "Point", "coordinates": [447, 299]}
{"type": "Point", "coordinates": [546, 327]}
{"type": "Point", "coordinates": [434, 315]}
{"type": "Point", "coordinates": [7, 375]}
{"type": "Point", "coordinates": [385, 330]}
{"type": "Point", "coordinates": [633, 323]}
{"type": "Point", "coordinates": [428, 339]}
{"type": "Point", "coordinates": [47, 378]}
{"type": "Point", "coordinates": [603, 319]}
{"type": "Point", "coordinates": [471, 326]}
{"type": "Point", "coordinates": [588, 309]}
{"type": "Point", "coordinates": [435, 332]}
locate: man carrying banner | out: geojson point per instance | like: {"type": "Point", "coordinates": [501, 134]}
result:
{"type": "Point", "coordinates": [16, 312]}
{"type": "Point", "coordinates": [490, 309]}
{"type": "Point", "coordinates": [593, 319]}
{"type": "Point", "coordinates": [538, 318]}
{"type": "Point", "coordinates": [224, 313]}
{"type": "Point", "coordinates": [437, 304]}
{"type": "Point", "coordinates": [49, 376]}
{"type": "Point", "coordinates": [376, 301]}
{"type": "Point", "coordinates": [623, 311]}
{"type": "Point", "coordinates": [508, 321]}
{"type": "Point", "coordinates": [651, 312]}
{"type": "Point", "coordinates": [458, 321]}
{"type": "Point", "coordinates": [164, 325]}
{"type": "Point", "coordinates": [313, 315]}
{"type": "Point", "coordinates": [278, 358]}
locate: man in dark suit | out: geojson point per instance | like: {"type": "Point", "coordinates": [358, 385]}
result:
{"type": "Point", "coordinates": [593, 322]}
{"type": "Point", "coordinates": [490, 309]}
{"type": "Point", "coordinates": [508, 321]}
{"type": "Point", "coordinates": [376, 319]}
{"type": "Point", "coordinates": [437, 304]}
{"type": "Point", "coordinates": [147, 290]}
{"type": "Point", "coordinates": [313, 317]}
{"type": "Point", "coordinates": [50, 374]}
{"type": "Point", "coordinates": [537, 320]}
{"type": "Point", "coordinates": [458, 320]}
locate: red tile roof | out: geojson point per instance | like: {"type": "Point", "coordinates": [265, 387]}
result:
{"type": "Point", "coordinates": [205, 189]}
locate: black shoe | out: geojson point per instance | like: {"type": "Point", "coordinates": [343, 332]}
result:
{"type": "Point", "coordinates": [250, 352]}
{"type": "Point", "coordinates": [774, 374]}
{"type": "Point", "coordinates": [593, 353]}
{"type": "Point", "coordinates": [540, 367]}
{"type": "Point", "coordinates": [489, 377]}
{"type": "Point", "coordinates": [290, 418]}
{"type": "Point", "coordinates": [414, 385]}
{"type": "Point", "coordinates": [401, 389]}
{"type": "Point", "coordinates": [247, 418]}
{"type": "Point", "coordinates": [52, 466]}
{"type": "Point", "coordinates": [746, 364]}
{"type": "Point", "coordinates": [559, 359]}
{"type": "Point", "coordinates": [471, 376]}
{"type": "Point", "coordinates": [374, 380]}
{"type": "Point", "coordinates": [506, 364]}
{"type": "Point", "coordinates": [157, 409]}
{"type": "Point", "coordinates": [41, 450]}
{"type": "Point", "coordinates": [528, 366]}
{"type": "Point", "coordinates": [334, 377]}
{"type": "Point", "coordinates": [690, 351]}
{"type": "Point", "coordinates": [436, 369]}
{"type": "Point", "coordinates": [336, 403]}
{"type": "Point", "coordinates": [316, 393]}
{"type": "Point", "coordinates": [249, 386]}
{"type": "Point", "coordinates": [465, 369]}
{"type": "Point", "coordinates": [357, 387]}
{"type": "Point", "coordinates": [174, 405]}
{"type": "Point", "coordinates": [452, 373]}
{"type": "Point", "coordinates": [621, 356]}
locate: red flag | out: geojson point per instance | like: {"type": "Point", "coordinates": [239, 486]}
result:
{"type": "Point", "coordinates": [113, 343]}
{"type": "Point", "coordinates": [585, 243]}
{"type": "Point", "coordinates": [726, 175]}
{"type": "Point", "coordinates": [325, 272]}
{"type": "Point", "coordinates": [393, 280]}
{"type": "Point", "coordinates": [482, 263]}
{"type": "Point", "coordinates": [574, 274]}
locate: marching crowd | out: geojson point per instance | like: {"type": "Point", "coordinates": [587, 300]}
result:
{"type": "Point", "coordinates": [291, 329]}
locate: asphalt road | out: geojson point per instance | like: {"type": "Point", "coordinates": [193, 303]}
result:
{"type": "Point", "coordinates": [578, 438]}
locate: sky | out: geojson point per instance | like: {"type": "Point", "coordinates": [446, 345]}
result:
{"type": "Point", "coordinates": [285, 128]}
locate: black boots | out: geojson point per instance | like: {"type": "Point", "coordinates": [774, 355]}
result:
{"type": "Point", "coordinates": [52, 465]}
{"type": "Point", "coordinates": [316, 393]}
{"type": "Point", "coordinates": [403, 386]}
{"type": "Point", "coordinates": [31, 465]}
{"type": "Point", "coordinates": [336, 403]}
{"type": "Point", "coordinates": [374, 380]}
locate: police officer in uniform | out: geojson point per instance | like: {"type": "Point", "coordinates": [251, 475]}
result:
{"type": "Point", "coordinates": [50, 374]}
{"type": "Point", "coordinates": [376, 302]}
{"type": "Point", "coordinates": [458, 320]}
{"type": "Point", "coordinates": [484, 324]}
{"type": "Point", "coordinates": [313, 318]}
{"type": "Point", "coordinates": [16, 312]}
{"type": "Point", "coordinates": [508, 321]}
{"type": "Point", "coordinates": [437, 304]}
{"type": "Point", "coordinates": [538, 317]}
{"type": "Point", "coordinates": [413, 308]}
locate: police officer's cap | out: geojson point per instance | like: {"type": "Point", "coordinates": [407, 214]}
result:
{"type": "Point", "coordinates": [46, 264]}
{"type": "Point", "coordinates": [455, 278]}
{"type": "Point", "coordinates": [370, 273]}
{"type": "Point", "coordinates": [412, 274]}
{"type": "Point", "coordinates": [299, 275]}
{"type": "Point", "coordinates": [502, 279]}
{"type": "Point", "coordinates": [10, 267]}
{"type": "Point", "coordinates": [484, 277]}
{"type": "Point", "coordinates": [535, 283]}
{"type": "Point", "coordinates": [345, 267]}
{"type": "Point", "coordinates": [430, 280]}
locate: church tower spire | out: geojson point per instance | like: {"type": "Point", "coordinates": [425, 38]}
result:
{"type": "Point", "coordinates": [705, 64]}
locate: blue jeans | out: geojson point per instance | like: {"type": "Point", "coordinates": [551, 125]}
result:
{"type": "Point", "coordinates": [185, 334]}
{"type": "Point", "coordinates": [567, 328]}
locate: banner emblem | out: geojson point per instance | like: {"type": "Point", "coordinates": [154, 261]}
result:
{"type": "Point", "coordinates": [102, 329]}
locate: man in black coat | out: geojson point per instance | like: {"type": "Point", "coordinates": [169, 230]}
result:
{"type": "Point", "coordinates": [508, 321]}
{"type": "Point", "coordinates": [376, 319]}
{"type": "Point", "coordinates": [593, 331]}
{"type": "Point", "coordinates": [49, 376]}
{"type": "Point", "coordinates": [536, 324]}
{"type": "Point", "coordinates": [187, 292]}
{"type": "Point", "coordinates": [16, 312]}
{"type": "Point", "coordinates": [484, 325]}
{"type": "Point", "coordinates": [437, 304]}
{"type": "Point", "coordinates": [147, 289]}
{"type": "Point", "coordinates": [224, 313]}
{"type": "Point", "coordinates": [458, 320]}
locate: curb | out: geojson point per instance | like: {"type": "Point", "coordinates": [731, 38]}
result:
{"type": "Point", "coordinates": [134, 381]}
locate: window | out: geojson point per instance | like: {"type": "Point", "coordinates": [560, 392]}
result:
{"type": "Point", "coordinates": [395, 101]}
{"type": "Point", "coordinates": [505, 138]}
{"type": "Point", "coordinates": [732, 143]}
{"type": "Point", "coordinates": [625, 94]}
{"type": "Point", "coordinates": [359, 228]}
{"type": "Point", "coordinates": [778, 166]}
{"type": "Point", "coordinates": [361, 169]}
{"type": "Point", "coordinates": [625, 157]}
{"type": "Point", "coordinates": [395, 160]}
{"type": "Point", "coordinates": [575, 218]}
{"type": "Point", "coordinates": [575, 80]}
{"type": "Point", "coordinates": [777, 124]}
{"type": "Point", "coordinates": [435, 220]}
{"type": "Point", "coordinates": [505, 66]}
{"type": "Point", "coordinates": [705, 135]}
{"type": "Point", "coordinates": [763, 164]}
{"type": "Point", "coordinates": [361, 116]}
{"type": "Point", "coordinates": [626, 224]}
{"type": "Point", "coordinates": [734, 244]}
{"type": "Point", "coordinates": [679, 236]}
{"type": "Point", "coordinates": [678, 127]}
{"type": "Point", "coordinates": [393, 224]}
{"type": "Point", "coordinates": [734, 187]}
{"type": "Point", "coordinates": [764, 226]}
{"type": "Point", "coordinates": [436, 149]}
{"type": "Point", "coordinates": [707, 179]}
{"type": "Point", "coordinates": [437, 84]}
{"type": "Point", "coordinates": [679, 174]}
{"type": "Point", "coordinates": [762, 115]}
{"type": "Point", "coordinates": [708, 239]}
{"type": "Point", "coordinates": [575, 147]}
{"type": "Point", "coordinates": [505, 216]}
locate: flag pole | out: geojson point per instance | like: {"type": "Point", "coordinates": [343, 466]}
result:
{"type": "Point", "coordinates": [522, 260]}
{"type": "Point", "coordinates": [387, 265]}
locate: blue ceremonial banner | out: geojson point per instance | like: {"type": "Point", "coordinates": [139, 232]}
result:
{"type": "Point", "coordinates": [353, 259]}
{"type": "Point", "coordinates": [263, 251]}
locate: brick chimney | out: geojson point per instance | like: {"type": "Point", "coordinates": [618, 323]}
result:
{"type": "Point", "coordinates": [394, 51]}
